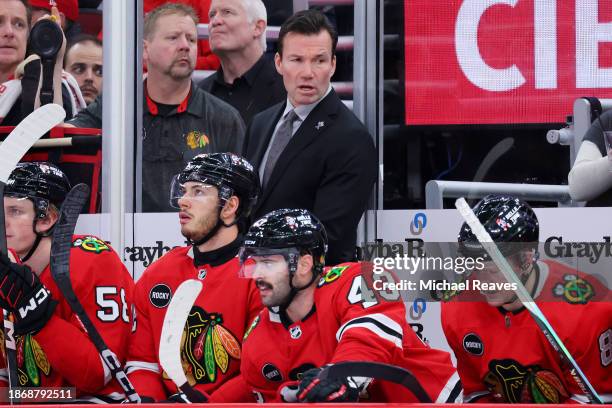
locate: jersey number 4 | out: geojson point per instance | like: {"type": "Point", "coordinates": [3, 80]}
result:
{"type": "Point", "coordinates": [112, 304]}
{"type": "Point", "coordinates": [360, 292]}
{"type": "Point", "coordinates": [605, 346]}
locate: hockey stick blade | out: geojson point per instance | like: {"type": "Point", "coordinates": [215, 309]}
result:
{"type": "Point", "coordinates": [21, 139]}
{"type": "Point", "coordinates": [549, 332]}
{"type": "Point", "coordinates": [378, 371]}
{"type": "Point", "coordinates": [15, 146]}
{"type": "Point", "coordinates": [172, 331]}
{"type": "Point", "coordinates": [60, 270]}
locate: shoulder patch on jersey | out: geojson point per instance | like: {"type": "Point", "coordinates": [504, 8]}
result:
{"type": "Point", "coordinates": [574, 290]}
{"type": "Point", "coordinates": [472, 343]}
{"type": "Point", "coordinates": [251, 327]}
{"type": "Point", "coordinates": [91, 244]}
{"type": "Point", "coordinates": [271, 373]}
{"type": "Point", "coordinates": [160, 295]}
{"type": "Point", "coordinates": [332, 275]}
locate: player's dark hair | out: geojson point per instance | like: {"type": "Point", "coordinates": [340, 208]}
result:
{"type": "Point", "coordinates": [307, 22]}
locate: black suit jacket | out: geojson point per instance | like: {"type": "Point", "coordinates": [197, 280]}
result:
{"type": "Point", "coordinates": [329, 167]}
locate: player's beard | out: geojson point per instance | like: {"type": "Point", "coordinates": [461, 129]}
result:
{"type": "Point", "coordinates": [277, 294]}
{"type": "Point", "coordinates": [198, 227]}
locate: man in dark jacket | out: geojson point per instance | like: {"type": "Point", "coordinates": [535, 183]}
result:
{"type": "Point", "coordinates": [180, 120]}
{"type": "Point", "coordinates": [311, 151]}
{"type": "Point", "coordinates": [247, 80]}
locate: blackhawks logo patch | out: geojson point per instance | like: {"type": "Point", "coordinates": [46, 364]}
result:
{"type": "Point", "coordinates": [509, 381]}
{"type": "Point", "coordinates": [32, 362]}
{"type": "Point", "coordinates": [91, 244]}
{"type": "Point", "coordinates": [196, 140]}
{"type": "Point", "coordinates": [331, 275]}
{"type": "Point", "coordinates": [574, 290]}
{"type": "Point", "coordinates": [206, 347]}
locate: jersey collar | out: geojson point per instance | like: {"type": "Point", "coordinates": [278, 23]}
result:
{"type": "Point", "coordinates": [278, 315]}
{"type": "Point", "coordinates": [217, 256]}
{"type": "Point", "coordinates": [152, 105]}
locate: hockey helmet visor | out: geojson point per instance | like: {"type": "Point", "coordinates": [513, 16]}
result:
{"type": "Point", "coordinates": [257, 262]}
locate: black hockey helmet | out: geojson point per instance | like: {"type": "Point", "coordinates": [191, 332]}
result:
{"type": "Point", "coordinates": [41, 182]}
{"type": "Point", "coordinates": [508, 220]}
{"type": "Point", "coordinates": [230, 173]}
{"type": "Point", "coordinates": [287, 229]}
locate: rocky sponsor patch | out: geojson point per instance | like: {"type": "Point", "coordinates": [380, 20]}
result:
{"type": "Point", "coordinates": [271, 373]}
{"type": "Point", "coordinates": [473, 344]}
{"type": "Point", "coordinates": [160, 295]}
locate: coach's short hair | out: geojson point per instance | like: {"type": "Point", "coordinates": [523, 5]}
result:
{"type": "Point", "coordinates": [307, 22]}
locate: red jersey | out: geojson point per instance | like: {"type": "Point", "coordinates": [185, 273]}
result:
{"type": "Point", "coordinates": [61, 353]}
{"type": "Point", "coordinates": [217, 321]}
{"type": "Point", "coordinates": [340, 327]}
{"type": "Point", "coordinates": [504, 357]}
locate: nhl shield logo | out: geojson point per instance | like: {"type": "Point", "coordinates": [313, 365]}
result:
{"type": "Point", "coordinates": [295, 332]}
{"type": "Point", "coordinates": [202, 274]}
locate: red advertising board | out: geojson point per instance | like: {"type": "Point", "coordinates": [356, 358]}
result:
{"type": "Point", "coordinates": [504, 61]}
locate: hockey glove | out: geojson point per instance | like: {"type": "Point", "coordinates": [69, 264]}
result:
{"type": "Point", "coordinates": [188, 396]}
{"type": "Point", "coordinates": [313, 389]}
{"type": "Point", "coordinates": [22, 293]}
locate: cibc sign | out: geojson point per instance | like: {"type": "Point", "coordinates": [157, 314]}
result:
{"type": "Point", "coordinates": [504, 61]}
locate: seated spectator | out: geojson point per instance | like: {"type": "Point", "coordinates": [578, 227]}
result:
{"type": "Point", "coordinates": [83, 61]}
{"type": "Point", "coordinates": [24, 79]}
{"type": "Point", "coordinates": [247, 80]}
{"type": "Point", "coordinates": [69, 15]}
{"type": "Point", "coordinates": [590, 179]}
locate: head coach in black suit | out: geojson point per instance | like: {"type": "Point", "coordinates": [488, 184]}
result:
{"type": "Point", "coordinates": [311, 151]}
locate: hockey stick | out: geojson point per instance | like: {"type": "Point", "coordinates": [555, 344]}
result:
{"type": "Point", "coordinates": [489, 245]}
{"type": "Point", "coordinates": [15, 146]}
{"type": "Point", "coordinates": [172, 331]}
{"type": "Point", "coordinates": [379, 371]}
{"type": "Point", "coordinates": [60, 270]}
{"type": "Point", "coordinates": [73, 141]}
